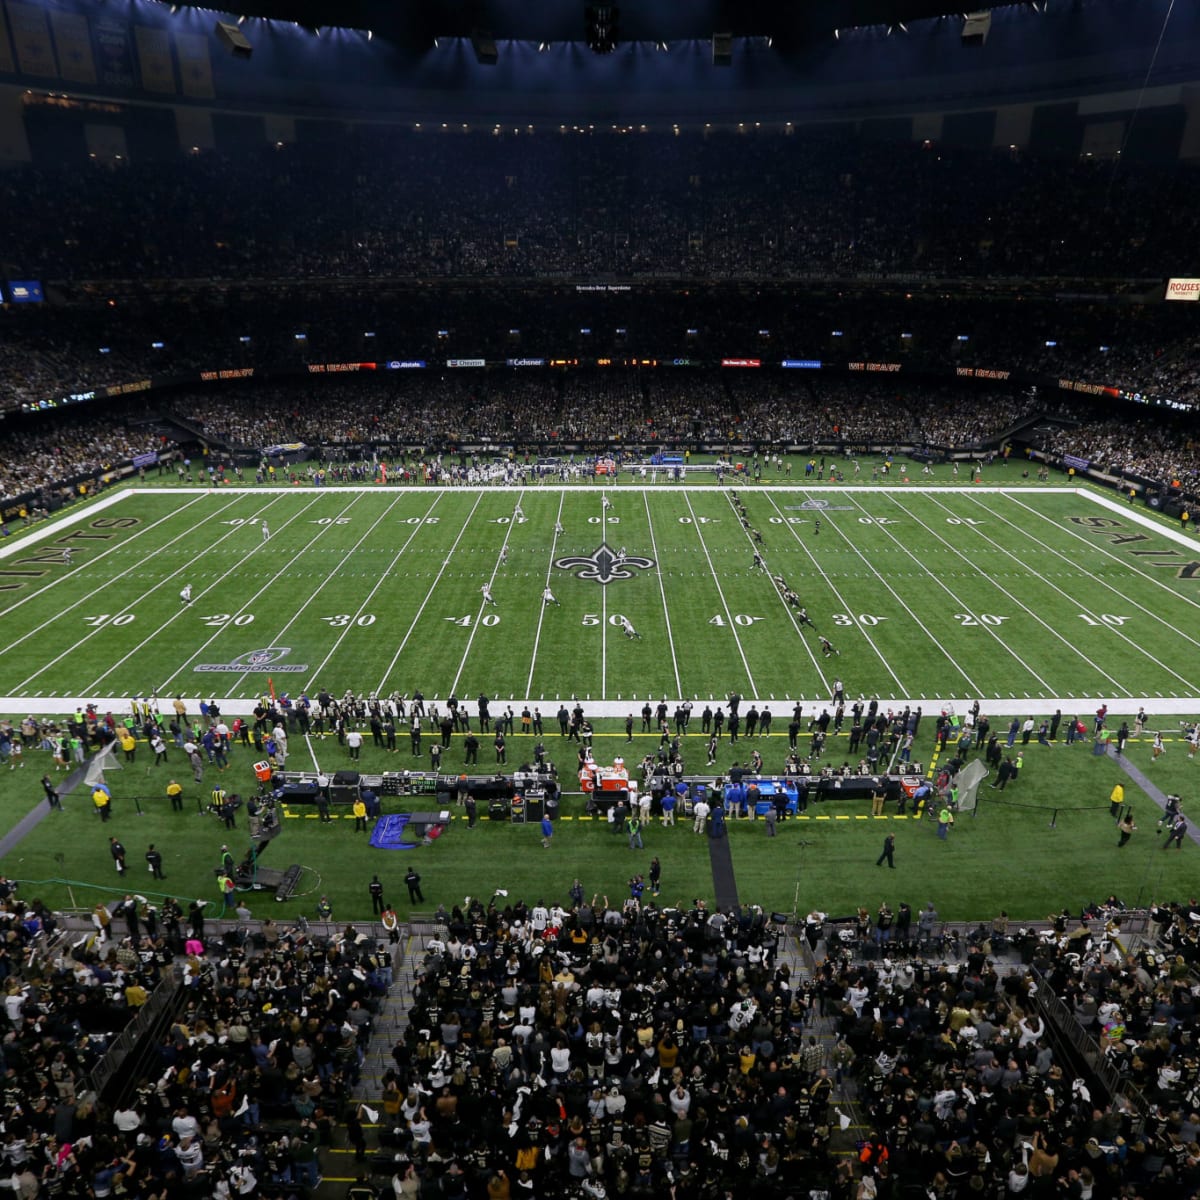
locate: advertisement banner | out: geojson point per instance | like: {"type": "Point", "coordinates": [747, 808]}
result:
{"type": "Point", "coordinates": [741, 362]}
{"type": "Point", "coordinates": [406, 364]}
{"type": "Point", "coordinates": [25, 291]}
{"type": "Point", "coordinates": [466, 362]}
{"type": "Point", "coordinates": [1183, 289]}
{"type": "Point", "coordinates": [1073, 460]}
{"type": "Point", "coordinates": [804, 364]}
{"type": "Point", "coordinates": [526, 362]}
{"type": "Point", "coordinates": [145, 460]}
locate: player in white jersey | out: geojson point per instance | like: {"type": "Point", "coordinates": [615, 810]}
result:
{"type": "Point", "coordinates": [186, 594]}
{"type": "Point", "coordinates": [488, 598]}
{"type": "Point", "coordinates": [548, 597]}
{"type": "Point", "coordinates": [266, 531]}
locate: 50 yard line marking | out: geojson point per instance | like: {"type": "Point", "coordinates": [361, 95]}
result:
{"type": "Point", "coordinates": [436, 579]}
{"type": "Point", "coordinates": [603, 609]}
{"type": "Point", "coordinates": [537, 636]}
{"type": "Point", "coordinates": [483, 603]}
{"type": "Point", "coordinates": [187, 607]}
{"type": "Point", "coordinates": [378, 584]}
{"type": "Point", "coordinates": [663, 593]}
{"type": "Point", "coordinates": [720, 592]}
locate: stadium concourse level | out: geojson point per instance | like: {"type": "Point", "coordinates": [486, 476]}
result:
{"type": "Point", "coordinates": [586, 1049]}
{"type": "Point", "coordinates": [759, 204]}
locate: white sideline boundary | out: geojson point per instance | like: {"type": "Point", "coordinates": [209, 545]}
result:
{"type": "Point", "coordinates": [781, 706]}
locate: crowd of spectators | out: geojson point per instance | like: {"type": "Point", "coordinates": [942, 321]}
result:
{"type": "Point", "coordinates": [638, 1049]}
{"type": "Point", "coordinates": [34, 459]}
{"type": "Point", "coordinates": [484, 204]}
{"type": "Point", "coordinates": [1153, 446]}
{"type": "Point", "coordinates": [381, 416]}
{"type": "Point", "coordinates": [87, 343]}
{"type": "Point", "coordinates": [586, 1048]}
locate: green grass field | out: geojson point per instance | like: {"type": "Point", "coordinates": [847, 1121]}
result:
{"type": "Point", "coordinates": [1029, 599]}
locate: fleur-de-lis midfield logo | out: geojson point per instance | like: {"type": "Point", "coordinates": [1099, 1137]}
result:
{"type": "Point", "coordinates": [604, 565]}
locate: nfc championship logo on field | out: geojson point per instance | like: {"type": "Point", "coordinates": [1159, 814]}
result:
{"type": "Point", "coordinates": [257, 660]}
{"type": "Point", "coordinates": [817, 506]}
{"type": "Point", "coordinates": [603, 565]}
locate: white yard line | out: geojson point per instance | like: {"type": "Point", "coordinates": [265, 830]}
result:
{"type": "Point", "coordinates": [1096, 579]}
{"type": "Point", "coordinates": [33, 535]}
{"type": "Point", "coordinates": [432, 587]}
{"type": "Point", "coordinates": [1120, 687]}
{"type": "Point", "coordinates": [329, 575]}
{"type": "Point", "coordinates": [887, 666]}
{"type": "Point", "coordinates": [720, 592]}
{"type": "Point", "coordinates": [949, 591]}
{"type": "Point", "coordinates": [132, 605]}
{"type": "Point", "coordinates": [1099, 548]}
{"type": "Point", "coordinates": [162, 687]}
{"type": "Point", "coordinates": [933, 639]}
{"type": "Point", "coordinates": [378, 584]}
{"type": "Point", "coordinates": [483, 603]}
{"type": "Point", "coordinates": [786, 607]}
{"type": "Point", "coordinates": [537, 636]}
{"type": "Point", "coordinates": [94, 597]}
{"type": "Point", "coordinates": [1155, 705]}
{"type": "Point", "coordinates": [662, 591]}
{"type": "Point", "coordinates": [625, 489]}
{"type": "Point", "coordinates": [30, 543]}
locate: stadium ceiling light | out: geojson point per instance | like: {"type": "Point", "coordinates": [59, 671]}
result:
{"type": "Point", "coordinates": [903, 28]}
{"type": "Point", "coordinates": [242, 19]}
{"type": "Point", "coordinates": [837, 35]}
{"type": "Point", "coordinates": [543, 47]}
{"type": "Point", "coordinates": [661, 46]}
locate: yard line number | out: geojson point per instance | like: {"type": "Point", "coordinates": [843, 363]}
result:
{"type": "Point", "coordinates": [488, 619]}
{"type": "Point", "coordinates": [341, 620]}
{"type": "Point", "coordinates": [108, 619]}
{"type": "Point", "coordinates": [859, 618]}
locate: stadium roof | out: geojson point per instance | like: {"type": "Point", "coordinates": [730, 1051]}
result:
{"type": "Point", "coordinates": [415, 23]}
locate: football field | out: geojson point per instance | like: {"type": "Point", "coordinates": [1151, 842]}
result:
{"type": "Point", "coordinates": [1034, 598]}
